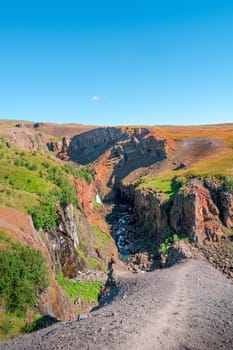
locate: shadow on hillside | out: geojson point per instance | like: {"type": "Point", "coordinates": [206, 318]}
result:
{"type": "Point", "coordinates": [42, 322]}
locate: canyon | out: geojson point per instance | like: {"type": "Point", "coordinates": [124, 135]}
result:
{"type": "Point", "coordinates": [167, 196]}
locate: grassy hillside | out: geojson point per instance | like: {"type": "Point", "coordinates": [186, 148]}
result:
{"type": "Point", "coordinates": [34, 183]}
{"type": "Point", "coordinates": [218, 165]}
{"type": "Point", "coordinates": [169, 182]}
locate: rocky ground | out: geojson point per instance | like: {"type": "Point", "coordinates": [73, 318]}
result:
{"type": "Point", "coordinates": [187, 306]}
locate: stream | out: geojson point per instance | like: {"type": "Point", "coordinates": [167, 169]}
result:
{"type": "Point", "coordinates": [120, 230]}
{"type": "Point", "coordinates": [131, 240]}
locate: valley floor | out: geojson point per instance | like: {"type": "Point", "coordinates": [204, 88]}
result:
{"type": "Point", "coordinates": [186, 307]}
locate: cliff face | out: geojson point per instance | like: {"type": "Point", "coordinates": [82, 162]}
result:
{"type": "Point", "coordinates": [117, 153]}
{"type": "Point", "coordinates": [194, 213]}
{"type": "Point", "coordinates": [18, 226]}
{"type": "Point", "coordinates": [226, 201]}
{"type": "Point", "coordinates": [62, 241]}
{"type": "Point", "coordinates": [148, 207]}
{"type": "Point", "coordinates": [87, 147]}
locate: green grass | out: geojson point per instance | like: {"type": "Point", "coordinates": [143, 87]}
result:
{"type": "Point", "coordinates": [24, 180]}
{"type": "Point", "coordinates": [101, 237]}
{"type": "Point", "coordinates": [84, 290]}
{"type": "Point", "coordinates": [167, 183]}
{"type": "Point", "coordinates": [13, 198]}
{"type": "Point", "coordinates": [82, 252]}
{"type": "Point", "coordinates": [218, 166]}
{"type": "Point", "coordinates": [11, 325]}
{"type": "Point", "coordinates": [28, 179]}
{"type": "Point", "coordinates": [92, 262]}
{"type": "Point", "coordinates": [82, 173]}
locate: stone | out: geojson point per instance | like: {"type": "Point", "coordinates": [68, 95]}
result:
{"type": "Point", "coordinates": [82, 317]}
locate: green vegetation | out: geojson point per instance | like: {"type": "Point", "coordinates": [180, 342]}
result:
{"type": "Point", "coordinates": [168, 183]}
{"type": "Point", "coordinates": [217, 166]}
{"type": "Point", "coordinates": [12, 325]}
{"type": "Point", "coordinates": [97, 205]}
{"type": "Point", "coordinates": [228, 183]}
{"type": "Point", "coordinates": [82, 252]}
{"type": "Point", "coordinates": [22, 268]}
{"type": "Point", "coordinates": [101, 237]}
{"type": "Point", "coordinates": [169, 240]}
{"type": "Point", "coordinates": [44, 216]}
{"type": "Point", "coordinates": [84, 290]}
{"type": "Point", "coordinates": [34, 183]}
{"type": "Point", "coordinates": [21, 200]}
{"type": "Point", "coordinates": [92, 262]}
{"type": "Point", "coordinates": [82, 173]}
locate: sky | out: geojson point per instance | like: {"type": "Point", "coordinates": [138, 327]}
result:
{"type": "Point", "coordinates": [117, 62]}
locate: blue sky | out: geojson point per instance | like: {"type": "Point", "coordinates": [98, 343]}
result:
{"type": "Point", "coordinates": [117, 62]}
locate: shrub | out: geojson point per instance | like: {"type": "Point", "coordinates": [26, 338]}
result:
{"type": "Point", "coordinates": [68, 192]}
{"type": "Point", "coordinates": [32, 166]}
{"type": "Point", "coordinates": [228, 183]}
{"type": "Point", "coordinates": [172, 238]}
{"type": "Point", "coordinates": [83, 173]}
{"type": "Point", "coordinates": [22, 269]}
{"type": "Point", "coordinates": [44, 216]}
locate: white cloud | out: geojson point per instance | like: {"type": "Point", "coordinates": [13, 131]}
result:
{"type": "Point", "coordinates": [96, 98]}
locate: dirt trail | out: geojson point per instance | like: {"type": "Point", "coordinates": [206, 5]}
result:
{"type": "Point", "coordinates": [188, 306]}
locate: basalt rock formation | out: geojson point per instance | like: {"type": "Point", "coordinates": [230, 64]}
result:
{"type": "Point", "coordinates": [226, 201]}
{"type": "Point", "coordinates": [194, 213]}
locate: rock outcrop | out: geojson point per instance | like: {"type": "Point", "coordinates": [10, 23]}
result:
{"type": "Point", "coordinates": [177, 252]}
{"type": "Point", "coordinates": [27, 140]}
{"type": "Point", "coordinates": [62, 241]}
{"type": "Point", "coordinates": [60, 147]}
{"type": "Point", "coordinates": [89, 146]}
{"type": "Point", "coordinates": [148, 207]}
{"type": "Point", "coordinates": [194, 213]}
{"type": "Point", "coordinates": [226, 202]}
{"type": "Point", "coordinates": [128, 153]}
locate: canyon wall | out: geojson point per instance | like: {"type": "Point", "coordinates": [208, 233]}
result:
{"type": "Point", "coordinates": [192, 211]}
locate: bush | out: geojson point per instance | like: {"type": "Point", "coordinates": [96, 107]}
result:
{"type": "Point", "coordinates": [83, 173]}
{"type": "Point", "coordinates": [172, 238]}
{"type": "Point", "coordinates": [228, 183]}
{"type": "Point", "coordinates": [68, 192]}
{"type": "Point", "coordinates": [22, 269]}
{"type": "Point", "coordinates": [44, 216]}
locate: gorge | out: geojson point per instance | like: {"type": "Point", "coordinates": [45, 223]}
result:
{"type": "Point", "coordinates": [167, 195]}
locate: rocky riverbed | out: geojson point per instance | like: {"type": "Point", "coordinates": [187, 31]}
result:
{"type": "Point", "coordinates": [132, 244]}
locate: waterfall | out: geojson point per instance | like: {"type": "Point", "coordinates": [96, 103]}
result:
{"type": "Point", "coordinates": [98, 200]}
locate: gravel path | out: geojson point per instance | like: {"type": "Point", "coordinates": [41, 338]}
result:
{"type": "Point", "coordinates": [186, 307]}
